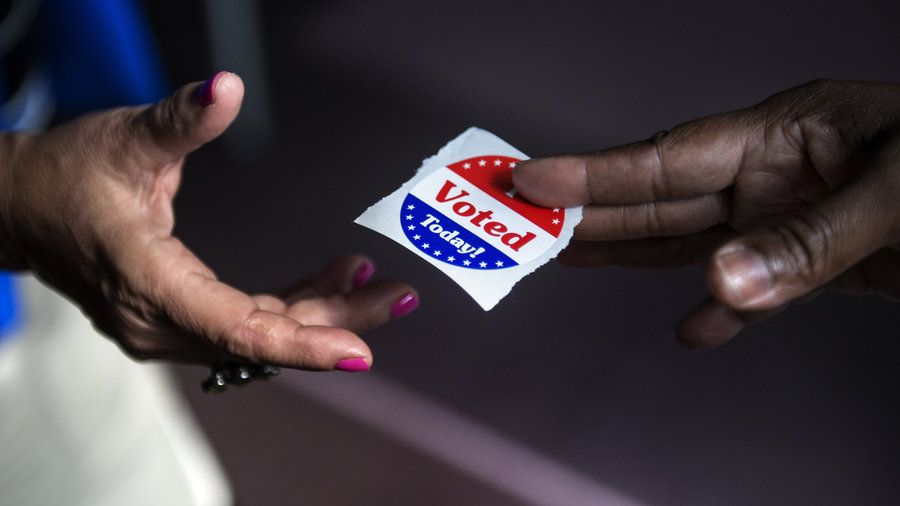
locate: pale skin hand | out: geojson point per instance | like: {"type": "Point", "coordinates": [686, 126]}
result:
{"type": "Point", "coordinates": [798, 194]}
{"type": "Point", "coordinates": [88, 207]}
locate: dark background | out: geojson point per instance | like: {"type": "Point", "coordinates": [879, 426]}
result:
{"type": "Point", "coordinates": [345, 99]}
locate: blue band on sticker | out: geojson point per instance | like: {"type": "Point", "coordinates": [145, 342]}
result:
{"type": "Point", "coordinates": [440, 238]}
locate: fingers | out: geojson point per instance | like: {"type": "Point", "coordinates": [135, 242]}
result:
{"type": "Point", "coordinates": [359, 310]}
{"type": "Point", "coordinates": [697, 158]}
{"type": "Point", "coordinates": [713, 324]}
{"type": "Point", "coordinates": [772, 266]}
{"type": "Point", "coordinates": [237, 325]}
{"type": "Point", "coordinates": [339, 276]}
{"type": "Point", "coordinates": [315, 328]}
{"type": "Point", "coordinates": [655, 219]}
{"type": "Point", "coordinates": [192, 116]}
{"type": "Point", "coordinates": [654, 253]}
{"type": "Point", "coordinates": [232, 324]}
{"type": "Point", "coordinates": [341, 295]}
{"type": "Point", "coordinates": [709, 325]}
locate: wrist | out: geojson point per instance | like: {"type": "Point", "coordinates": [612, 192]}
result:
{"type": "Point", "coordinates": [11, 145]}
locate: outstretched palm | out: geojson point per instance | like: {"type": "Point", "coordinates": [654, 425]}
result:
{"type": "Point", "coordinates": [92, 215]}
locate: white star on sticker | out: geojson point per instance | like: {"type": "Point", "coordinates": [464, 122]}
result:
{"type": "Point", "coordinates": [481, 163]}
{"type": "Point", "coordinates": [483, 264]}
{"type": "Point", "coordinates": [467, 165]}
{"type": "Point", "coordinates": [499, 263]}
{"type": "Point", "coordinates": [512, 165]}
{"type": "Point", "coordinates": [555, 209]}
{"type": "Point", "coordinates": [437, 253]}
{"type": "Point", "coordinates": [411, 227]}
{"type": "Point", "coordinates": [450, 259]}
{"type": "Point", "coordinates": [410, 207]}
{"type": "Point", "coordinates": [466, 262]}
{"type": "Point", "coordinates": [409, 217]}
{"type": "Point", "coordinates": [556, 222]}
{"type": "Point", "coordinates": [416, 237]}
{"type": "Point", "coordinates": [425, 246]}
{"type": "Point", "coordinates": [496, 163]}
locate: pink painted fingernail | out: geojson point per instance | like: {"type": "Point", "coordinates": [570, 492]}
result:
{"type": "Point", "coordinates": [363, 274]}
{"type": "Point", "coordinates": [206, 95]}
{"type": "Point", "coordinates": [404, 306]}
{"type": "Point", "coordinates": [352, 365]}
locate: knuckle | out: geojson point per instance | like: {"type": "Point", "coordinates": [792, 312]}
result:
{"type": "Point", "coordinates": [806, 250]}
{"type": "Point", "coordinates": [591, 191]}
{"type": "Point", "coordinates": [818, 86]}
{"type": "Point", "coordinates": [254, 335]}
{"type": "Point", "coordinates": [111, 131]}
{"type": "Point", "coordinates": [270, 303]}
{"type": "Point", "coordinates": [644, 223]}
{"type": "Point", "coordinates": [795, 98]}
{"type": "Point", "coordinates": [163, 121]}
{"type": "Point", "coordinates": [655, 220]}
{"type": "Point", "coordinates": [661, 144]}
{"type": "Point", "coordinates": [625, 220]}
{"type": "Point", "coordinates": [166, 115]}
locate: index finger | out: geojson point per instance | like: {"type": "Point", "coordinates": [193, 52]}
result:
{"type": "Point", "coordinates": [693, 159]}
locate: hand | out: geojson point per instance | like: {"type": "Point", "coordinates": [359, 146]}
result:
{"type": "Point", "coordinates": [780, 201]}
{"type": "Point", "coordinates": [88, 207]}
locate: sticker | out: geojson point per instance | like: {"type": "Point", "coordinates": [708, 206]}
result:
{"type": "Point", "coordinates": [461, 213]}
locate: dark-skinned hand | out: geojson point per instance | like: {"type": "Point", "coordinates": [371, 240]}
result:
{"type": "Point", "coordinates": [795, 195]}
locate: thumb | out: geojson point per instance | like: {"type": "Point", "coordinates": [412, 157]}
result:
{"type": "Point", "coordinates": [192, 116]}
{"type": "Point", "coordinates": [775, 265]}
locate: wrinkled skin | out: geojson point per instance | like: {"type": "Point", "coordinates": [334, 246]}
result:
{"type": "Point", "coordinates": [87, 206]}
{"type": "Point", "coordinates": [779, 201]}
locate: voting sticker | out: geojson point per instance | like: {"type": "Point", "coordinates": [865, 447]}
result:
{"type": "Point", "coordinates": [461, 213]}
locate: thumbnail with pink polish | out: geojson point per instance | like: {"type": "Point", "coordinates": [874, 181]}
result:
{"type": "Point", "coordinates": [206, 93]}
{"type": "Point", "coordinates": [352, 365]}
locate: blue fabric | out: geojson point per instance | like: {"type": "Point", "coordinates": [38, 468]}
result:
{"type": "Point", "coordinates": [101, 54]}
{"type": "Point", "coordinates": [10, 316]}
